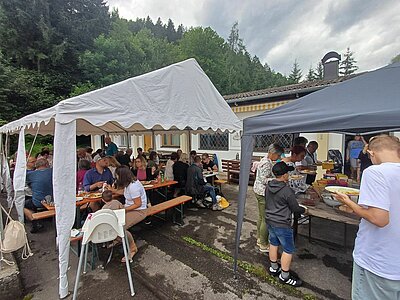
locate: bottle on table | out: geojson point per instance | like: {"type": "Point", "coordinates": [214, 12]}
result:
{"type": "Point", "coordinates": [162, 176]}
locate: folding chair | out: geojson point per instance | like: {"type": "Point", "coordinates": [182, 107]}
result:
{"type": "Point", "coordinates": [103, 226]}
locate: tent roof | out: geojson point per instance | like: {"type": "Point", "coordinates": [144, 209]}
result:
{"type": "Point", "coordinates": [177, 97]}
{"type": "Point", "coordinates": [366, 103]}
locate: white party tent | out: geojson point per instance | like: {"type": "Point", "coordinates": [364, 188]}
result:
{"type": "Point", "coordinates": [177, 97]}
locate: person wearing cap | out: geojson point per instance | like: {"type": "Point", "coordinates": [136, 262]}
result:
{"type": "Point", "coordinates": [280, 205]}
{"type": "Point", "coordinates": [95, 177]}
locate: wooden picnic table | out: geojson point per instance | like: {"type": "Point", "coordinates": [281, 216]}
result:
{"type": "Point", "coordinates": [208, 174]}
{"type": "Point", "coordinates": [323, 211]}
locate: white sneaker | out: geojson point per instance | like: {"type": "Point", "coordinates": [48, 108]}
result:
{"type": "Point", "coordinates": [216, 207]}
{"type": "Point", "coordinates": [200, 204]}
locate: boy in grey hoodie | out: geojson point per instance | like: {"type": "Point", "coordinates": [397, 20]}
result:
{"type": "Point", "coordinates": [280, 204]}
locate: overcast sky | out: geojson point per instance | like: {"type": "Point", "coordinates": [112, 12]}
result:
{"type": "Point", "coordinates": [280, 31]}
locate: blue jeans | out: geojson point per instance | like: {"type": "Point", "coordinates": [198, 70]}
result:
{"type": "Point", "coordinates": [282, 236]}
{"type": "Point", "coordinates": [209, 189]}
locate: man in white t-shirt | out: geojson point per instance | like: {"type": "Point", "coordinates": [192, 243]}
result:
{"type": "Point", "coordinates": [376, 272]}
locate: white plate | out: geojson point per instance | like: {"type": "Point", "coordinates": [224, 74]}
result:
{"type": "Point", "coordinates": [148, 185]}
{"type": "Point", "coordinates": [343, 189]}
{"type": "Point", "coordinates": [79, 198]}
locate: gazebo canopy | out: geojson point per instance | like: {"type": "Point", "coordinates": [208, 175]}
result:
{"type": "Point", "coordinates": [368, 103]}
{"type": "Point", "coordinates": [176, 97]}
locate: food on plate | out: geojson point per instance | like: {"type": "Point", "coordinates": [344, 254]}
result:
{"type": "Point", "coordinates": [343, 190]}
{"type": "Point", "coordinates": [296, 177]}
{"type": "Point", "coordinates": [94, 195]}
{"type": "Point", "coordinates": [145, 182]}
{"type": "Point", "coordinates": [311, 172]}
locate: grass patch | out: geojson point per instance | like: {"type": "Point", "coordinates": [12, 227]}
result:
{"type": "Point", "coordinates": [258, 271]}
{"type": "Point", "coordinates": [28, 297]}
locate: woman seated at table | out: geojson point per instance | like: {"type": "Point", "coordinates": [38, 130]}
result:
{"type": "Point", "coordinates": [134, 193]}
{"type": "Point", "coordinates": [152, 161]}
{"type": "Point", "coordinates": [141, 172]}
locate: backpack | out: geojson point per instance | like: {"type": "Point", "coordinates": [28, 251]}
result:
{"type": "Point", "coordinates": [14, 238]}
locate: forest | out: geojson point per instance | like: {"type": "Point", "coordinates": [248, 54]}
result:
{"type": "Point", "coordinates": [54, 49]}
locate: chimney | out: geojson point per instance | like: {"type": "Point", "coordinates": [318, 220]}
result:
{"type": "Point", "coordinates": [331, 65]}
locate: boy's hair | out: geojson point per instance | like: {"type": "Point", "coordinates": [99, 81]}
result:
{"type": "Point", "coordinates": [107, 196]}
{"type": "Point", "coordinates": [384, 142]}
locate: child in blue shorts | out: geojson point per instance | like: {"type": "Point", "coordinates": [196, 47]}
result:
{"type": "Point", "coordinates": [280, 204]}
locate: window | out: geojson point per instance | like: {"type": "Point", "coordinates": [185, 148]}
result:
{"type": "Point", "coordinates": [263, 141]}
{"type": "Point", "coordinates": [214, 141]}
{"type": "Point", "coordinates": [171, 140]}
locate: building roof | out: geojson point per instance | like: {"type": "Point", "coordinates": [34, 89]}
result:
{"type": "Point", "coordinates": [303, 87]}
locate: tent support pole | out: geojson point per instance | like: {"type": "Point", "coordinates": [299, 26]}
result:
{"type": "Point", "coordinates": [127, 140]}
{"type": "Point", "coordinates": [189, 141]}
{"type": "Point", "coordinates": [153, 141]}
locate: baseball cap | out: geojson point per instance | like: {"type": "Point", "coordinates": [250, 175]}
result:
{"type": "Point", "coordinates": [281, 168]}
{"type": "Point", "coordinates": [99, 156]}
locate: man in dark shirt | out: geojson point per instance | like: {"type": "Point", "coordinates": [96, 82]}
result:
{"type": "Point", "coordinates": [125, 159]}
{"type": "Point", "coordinates": [111, 149]}
{"type": "Point", "coordinates": [196, 185]}
{"type": "Point", "coordinates": [209, 166]}
{"type": "Point", "coordinates": [180, 174]}
{"type": "Point", "coordinates": [41, 183]}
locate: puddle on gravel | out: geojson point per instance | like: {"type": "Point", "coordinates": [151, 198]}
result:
{"type": "Point", "coordinates": [344, 268]}
{"type": "Point", "coordinates": [306, 256]}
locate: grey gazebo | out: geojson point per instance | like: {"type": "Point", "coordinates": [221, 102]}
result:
{"type": "Point", "coordinates": [368, 103]}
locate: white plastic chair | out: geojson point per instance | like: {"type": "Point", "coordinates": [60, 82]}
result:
{"type": "Point", "coordinates": [103, 226]}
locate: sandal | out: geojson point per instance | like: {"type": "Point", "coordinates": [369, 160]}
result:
{"type": "Point", "coordinates": [113, 244]}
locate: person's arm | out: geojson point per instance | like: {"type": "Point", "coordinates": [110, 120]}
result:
{"type": "Point", "coordinates": [294, 205]}
{"type": "Point", "coordinates": [348, 151]}
{"type": "Point", "coordinates": [88, 186]}
{"type": "Point", "coordinates": [200, 178]}
{"type": "Point", "coordinates": [137, 202]}
{"type": "Point", "coordinates": [377, 216]}
{"type": "Point", "coordinates": [214, 167]}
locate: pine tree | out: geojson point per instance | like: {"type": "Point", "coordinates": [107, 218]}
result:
{"type": "Point", "coordinates": [234, 41]}
{"type": "Point", "coordinates": [348, 64]}
{"type": "Point", "coordinates": [296, 73]}
{"type": "Point", "coordinates": [319, 72]}
{"type": "Point", "coordinates": [311, 74]}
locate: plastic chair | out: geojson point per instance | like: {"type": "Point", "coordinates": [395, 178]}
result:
{"type": "Point", "coordinates": [103, 226]}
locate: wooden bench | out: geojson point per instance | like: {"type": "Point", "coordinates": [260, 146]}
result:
{"type": "Point", "coordinates": [176, 203]}
{"type": "Point", "coordinates": [34, 216]}
{"type": "Point", "coordinates": [232, 169]}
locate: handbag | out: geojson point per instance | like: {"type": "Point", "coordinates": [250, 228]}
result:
{"type": "Point", "coordinates": [14, 238]}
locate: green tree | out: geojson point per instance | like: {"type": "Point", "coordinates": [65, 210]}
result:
{"type": "Point", "coordinates": [319, 72]}
{"type": "Point", "coordinates": [396, 59]}
{"type": "Point", "coordinates": [348, 64]}
{"type": "Point", "coordinates": [207, 47]}
{"type": "Point", "coordinates": [295, 74]}
{"type": "Point", "coordinates": [311, 74]}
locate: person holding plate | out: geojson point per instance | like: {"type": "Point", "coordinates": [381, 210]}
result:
{"type": "Point", "coordinates": [376, 268]}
